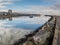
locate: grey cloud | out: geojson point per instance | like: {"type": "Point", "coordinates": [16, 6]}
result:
{"type": "Point", "coordinates": [56, 7]}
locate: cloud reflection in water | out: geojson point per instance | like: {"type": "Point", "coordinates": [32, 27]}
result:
{"type": "Point", "coordinates": [18, 27]}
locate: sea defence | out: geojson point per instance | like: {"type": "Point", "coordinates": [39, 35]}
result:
{"type": "Point", "coordinates": [44, 35]}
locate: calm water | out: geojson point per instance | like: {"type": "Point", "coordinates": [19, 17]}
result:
{"type": "Point", "coordinates": [22, 23]}
{"type": "Point", "coordinates": [14, 28]}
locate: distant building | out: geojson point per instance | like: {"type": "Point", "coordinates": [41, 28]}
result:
{"type": "Point", "coordinates": [6, 13]}
{"type": "Point", "coordinates": [9, 11]}
{"type": "Point", "coordinates": [3, 13]}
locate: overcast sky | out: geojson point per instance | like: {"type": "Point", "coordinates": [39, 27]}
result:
{"type": "Point", "coordinates": [31, 6]}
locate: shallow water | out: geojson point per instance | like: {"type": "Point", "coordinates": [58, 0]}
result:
{"type": "Point", "coordinates": [20, 23]}
{"type": "Point", "coordinates": [17, 27]}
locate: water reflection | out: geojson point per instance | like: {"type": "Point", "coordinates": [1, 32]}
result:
{"type": "Point", "coordinates": [6, 17]}
{"type": "Point", "coordinates": [22, 22]}
{"type": "Point", "coordinates": [10, 18]}
{"type": "Point", "coordinates": [19, 22]}
{"type": "Point", "coordinates": [14, 28]}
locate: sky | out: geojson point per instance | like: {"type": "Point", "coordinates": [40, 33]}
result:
{"type": "Point", "coordinates": [31, 6]}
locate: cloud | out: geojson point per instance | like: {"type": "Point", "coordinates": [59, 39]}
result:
{"type": "Point", "coordinates": [2, 6]}
{"type": "Point", "coordinates": [54, 1]}
{"type": "Point", "coordinates": [5, 2]}
{"type": "Point", "coordinates": [3, 10]}
{"type": "Point", "coordinates": [39, 10]}
{"type": "Point", "coordinates": [55, 5]}
{"type": "Point", "coordinates": [52, 9]}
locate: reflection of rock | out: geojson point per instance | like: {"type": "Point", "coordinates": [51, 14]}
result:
{"type": "Point", "coordinates": [31, 16]}
{"type": "Point", "coordinates": [10, 18]}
